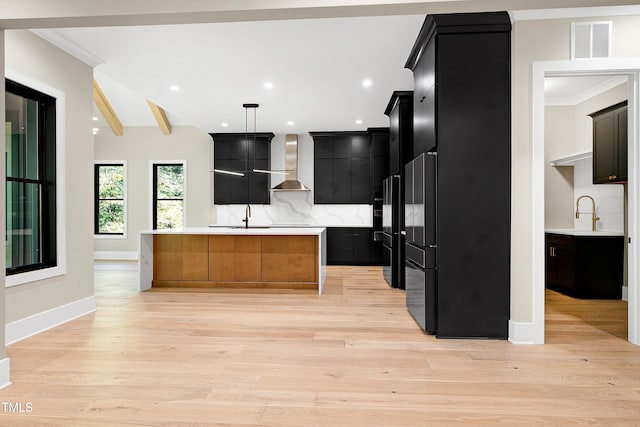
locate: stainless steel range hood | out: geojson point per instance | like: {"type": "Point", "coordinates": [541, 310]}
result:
{"type": "Point", "coordinates": [291, 166]}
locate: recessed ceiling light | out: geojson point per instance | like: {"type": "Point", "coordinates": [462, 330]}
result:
{"type": "Point", "coordinates": [290, 123]}
{"type": "Point", "coordinates": [268, 85]}
{"type": "Point", "coordinates": [95, 119]}
{"type": "Point", "coordinates": [367, 83]}
{"type": "Point", "coordinates": [224, 124]}
{"type": "Point", "coordinates": [358, 122]}
{"type": "Point", "coordinates": [174, 88]}
{"type": "Point", "coordinates": [96, 130]}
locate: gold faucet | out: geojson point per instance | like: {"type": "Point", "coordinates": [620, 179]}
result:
{"type": "Point", "coordinates": [594, 218]}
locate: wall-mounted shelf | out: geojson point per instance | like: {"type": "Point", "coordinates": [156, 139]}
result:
{"type": "Point", "coordinates": [571, 159]}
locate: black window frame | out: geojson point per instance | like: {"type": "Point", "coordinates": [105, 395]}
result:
{"type": "Point", "coordinates": [46, 177]}
{"type": "Point", "coordinates": [97, 199]}
{"type": "Point", "coordinates": [154, 190]}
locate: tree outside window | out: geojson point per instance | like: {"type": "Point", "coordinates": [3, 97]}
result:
{"type": "Point", "coordinates": [110, 205]}
{"type": "Point", "coordinates": [168, 196]}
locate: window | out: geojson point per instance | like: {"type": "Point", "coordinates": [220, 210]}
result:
{"type": "Point", "coordinates": [30, 179]}
{"type": "Point", "coordinates": [168, 195]}
{"type": "Point", "coordinates": [110, 195]}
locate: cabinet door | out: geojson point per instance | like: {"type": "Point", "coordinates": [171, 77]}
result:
{"type": "Point", "coordinates": [360, 147]}
{"type": "Point", "coordinates": [360, 184]}
{"type": "Point", "coordinates": [229, 188]}
{"type": "Point", "coordinates": [339, 245]}
{"type": "Point", "coordinates": [604, 148]}
{"type": "Point", "coordinates": [322, 147]}
{"type": "Point", "coordinates": [394, 141]}
{"type": "Point", "coordinates": [323, 181]}
{"type": "Point", "coordinates": [362, 246]}
{"type": "Point", "coordinates": [275, 258]}
{"type": "Point", "coordinates": [341, 185]}
{"type": "Point", "coordinates": [259, 183]}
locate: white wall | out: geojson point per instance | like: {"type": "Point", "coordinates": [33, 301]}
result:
{"type": "Point", "coordinates": [4, 371]}
{"type": "Point", "coordinates": [140, 145]}
{"type": "Point", "coordinates": [30, 56]}
{"type": "Point", "coordinates": [558, 181]}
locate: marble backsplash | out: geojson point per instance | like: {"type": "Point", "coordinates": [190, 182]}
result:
{"type": "Point", "coordinates": [297, 209]}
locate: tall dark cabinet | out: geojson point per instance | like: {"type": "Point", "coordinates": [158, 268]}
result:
{"type": "Point", "coordinates": [400, 112]}
{"type": "Point", "coordinates": [239, 152]}
{"type": "Point", "coordinates": [462, 104]}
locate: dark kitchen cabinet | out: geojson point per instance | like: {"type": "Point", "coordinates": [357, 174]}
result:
{"type": "Point", "coordinates": [462, 119]}
{"type": "Point", "coordinates": [610, 144]}
{"type": "Point", "coordinates": [379, 160]}
{"type": "Point", "coordinates": [352, 246]}
{"type": "Point", "coordinates": [400, 112]}
{"type": "Point", "coordinates": [342, 167]}
{"type": "Point", "coordinates": [585, 266]}
{"type": "Point", "coordinates": [239, 152]}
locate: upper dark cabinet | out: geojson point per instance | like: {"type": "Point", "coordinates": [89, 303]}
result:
{"type": "Point", "coordinates": [400, 112]}
{"type": "Point", "coordinates": [349, 166]}
{"type": "Point", "coordinates": [239, 152]}
{"type": "Point", "coordinates": [610, 144]}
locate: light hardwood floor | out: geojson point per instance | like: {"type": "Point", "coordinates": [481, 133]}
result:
{"type": "Point", "coordinates": [351, 357]}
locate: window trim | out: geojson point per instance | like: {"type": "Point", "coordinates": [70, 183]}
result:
{"type": "Point", "coordinates": [61, 233]}
{"type": "Point", "coordinates": [152, 189]}
{"type": "Point", "coordinates": [107, 236]}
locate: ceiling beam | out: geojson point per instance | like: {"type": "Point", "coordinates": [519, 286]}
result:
{"type": "Point", "coordinates": [161, 118]}
{"type": "Point", "coordinates": [105, 108]}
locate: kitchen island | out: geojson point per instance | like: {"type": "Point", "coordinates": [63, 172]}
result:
{"type": "Point", "coordinates": [229, 257]}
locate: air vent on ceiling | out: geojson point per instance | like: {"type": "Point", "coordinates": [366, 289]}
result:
{"type": "Point", "coordinates": [590, 40]}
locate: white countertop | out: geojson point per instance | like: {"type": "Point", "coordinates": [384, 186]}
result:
{"type": "Point", "coordinates": [572, 232]}
{"type": "Point", "coordinates": [252, 230]}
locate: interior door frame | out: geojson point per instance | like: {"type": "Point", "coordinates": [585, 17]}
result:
{"type": "Point", "coordinates": [630, 68]}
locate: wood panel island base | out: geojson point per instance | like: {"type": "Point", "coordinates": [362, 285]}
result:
{"type": "Point", "coordinates": [276, 258]}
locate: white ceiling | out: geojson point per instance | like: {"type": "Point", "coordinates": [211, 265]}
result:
{"type": "Point", "coordinates": [316, 67]}
{"type": "Point", "coordinates": [572, 90]}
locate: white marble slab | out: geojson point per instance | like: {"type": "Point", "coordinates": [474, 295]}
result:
{"type": "Point", "coordinates": [297, 209]}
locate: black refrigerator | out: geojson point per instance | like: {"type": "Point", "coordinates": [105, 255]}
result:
{"type": "Point", "coordinates": [420, 240]}
{"type": "Point", "coordinates": [391, 225]}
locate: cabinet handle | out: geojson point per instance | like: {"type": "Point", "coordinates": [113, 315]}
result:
{"type": "Point", "coordinates": [612, 177]}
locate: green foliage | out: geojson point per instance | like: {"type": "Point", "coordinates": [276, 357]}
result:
{"type": "Point", "coordinates": [111, 204]}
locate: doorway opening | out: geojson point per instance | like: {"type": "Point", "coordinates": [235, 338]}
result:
{"type": "Point", "coordinates": [585, 223]}
{"type": "Point", "coordinates": [620, 69]}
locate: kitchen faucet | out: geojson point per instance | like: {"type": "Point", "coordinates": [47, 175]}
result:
{"type": "Point", "coordinates": [594, 218]}
{"type": "Point", "coordinates": [247, 215]}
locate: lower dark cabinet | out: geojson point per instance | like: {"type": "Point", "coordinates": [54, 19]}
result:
{"type": "Point", "coordinates": [352, 246]}
{"type": "Point", "coordinates": [585, 266]}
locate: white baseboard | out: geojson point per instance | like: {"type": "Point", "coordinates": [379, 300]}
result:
{"type": "Point", "coordinates": [625, 293]}
{"type": "Point", "coordinates": [523, 333]}
{"type": "Point", "coordinates": [40, 322]}
{"type": "Point", "coordinates": [5, 379]}
{"type": "Point", "coordinates": [116, 255]}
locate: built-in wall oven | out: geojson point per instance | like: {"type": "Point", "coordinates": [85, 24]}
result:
{"type": "Point", "coordinates": [420, 240]}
